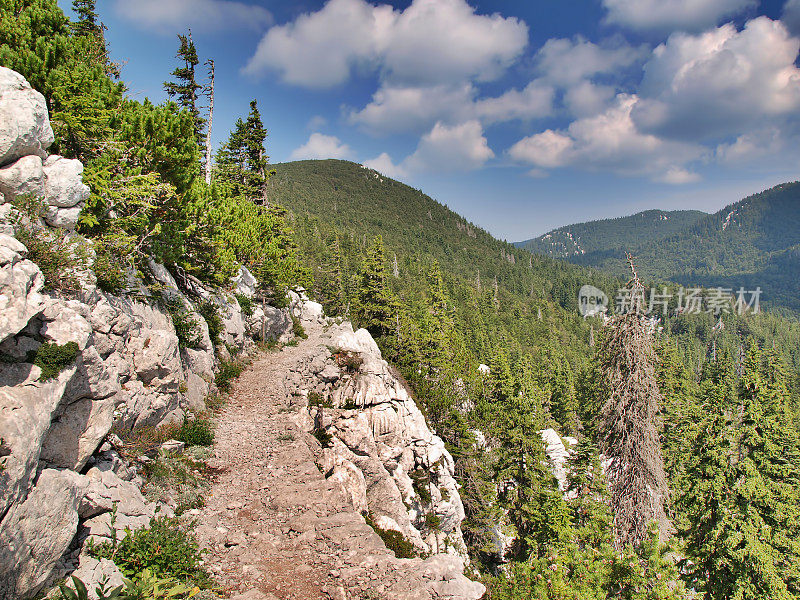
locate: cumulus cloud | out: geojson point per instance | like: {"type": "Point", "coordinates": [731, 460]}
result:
{"type": "Point", "coordinates": [430, 42]}
{"type": "Point", "coordinates": [396, 109]}
{"type": "Point", "coordinates": [322, 146]}
{"type": "Point", "coordinates": [608, 142]}
{"type": "Point", "coordinates": [565, 62]}
{"type": "Point", "coordinates": [444, 149]}
{"type": "Point", "coordinates": [448, 149]}
{"type": "Point", "coordinates": [791, 16]}
{"type": "Point", "coordinates": [202, 15]}
{"type": "Point", "coordinates": [670, 15]}
{"type": "Point", "coordinates": [417, 109]}
{"type": "Point", "coordinates": [383, 164]}
{"type": "Point", "coordinates": [751, 146]}
{"type": "Point", "coordinates": [720, 83]}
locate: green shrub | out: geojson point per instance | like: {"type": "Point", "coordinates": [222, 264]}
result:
{"type": "Point", "coordinates": [316, 399]}
{"type": "Point", "coordinates": [228, 371]}
{"type": "Point", "coordinates": [246, 304]}
{"type": "Point", "coordinates": [421, 481]}
{"type": "Point", "coordinates": [394, 540]}
{"type": "Point", "coordinates": [166, 549]}
{"type": "Point", "coordinates": [107, 268]}
{"type": "Point", "coordinates": [210, 312]}
{"type": "Point", "coordinates": [196, 432]}
{"type": "Point", "coordinates": [325, 439]}
{"type": "Point", "coordinates": [297, 328]}
{"type": "Point", "coordinates": [54, 358]}
{"type": "Point", "coordinates": [178, 478]}
{"type": "Point", "coordinates": [186, 327]}
{"type": "Point", "coordinates": [433, 521]}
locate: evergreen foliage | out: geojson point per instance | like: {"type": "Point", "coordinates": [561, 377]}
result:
{"type": "Point", "coordinates": [185, 87]}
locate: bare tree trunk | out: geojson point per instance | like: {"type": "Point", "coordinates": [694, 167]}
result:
{"type": "Point", "coordinates": [210, 92]}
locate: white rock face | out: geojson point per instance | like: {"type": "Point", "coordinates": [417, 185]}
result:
{"type": "Point", "coordinates": [35, 533]}
{"type": "Point", "coordinates": [24, 122]}
{"type": "Point", "coordinates": [93, 572]}
{"type": "Point", "coordinates": [23, 177]}
{"type": "Point", "coordinates": [380, 442]}
{"type": "Point", "coordinates": [21, 284]}
{"type": "Point", "coordinates": [63, 185]}
{"type": "Point", "coordinates": [558, 455]}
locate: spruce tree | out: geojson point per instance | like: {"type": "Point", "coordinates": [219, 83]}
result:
{"type": "Point", "coordinates": [375, 306]}
{"type": "Point", "coordinates": [88, 20]}
{"type": "Point", "coordinates": [185, 87]}
{"type": "Point", "coordinates": [241, 163]}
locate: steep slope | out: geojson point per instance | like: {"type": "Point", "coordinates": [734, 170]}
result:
{"type": "Point", "coordinates": [605, 235]}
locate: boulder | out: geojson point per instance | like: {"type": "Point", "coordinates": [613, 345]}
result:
{"type": "Point", "coordinates": [63, 218]}
{"type": "Point", "coordinates": [24, 122]}
{"type": "Point", "coordinates": [245, 283]}
{"type": "Point", "coordinates": [23, 177]}
{"type": "Point", "coordinates": [96, 573]}
{"type": "Point", "coordinates": [21, 283]}
{"type": "Point", "coordinates": [63, 185]}
{"type": "Point", "coordinates": [35, 533]}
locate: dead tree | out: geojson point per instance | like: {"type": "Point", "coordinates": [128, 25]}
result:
{"type": "Point", "coordinates": [638, 483]}
{"type": "Point", "coordinates": [210, 93]}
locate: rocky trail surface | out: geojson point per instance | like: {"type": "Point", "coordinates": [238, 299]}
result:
{"type": "Point", "coordinates": [275, 527]}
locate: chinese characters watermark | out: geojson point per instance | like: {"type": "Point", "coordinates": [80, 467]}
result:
{"type": "Point", "coordinates": [666, 301]}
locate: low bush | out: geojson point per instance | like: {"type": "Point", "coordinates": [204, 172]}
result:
{"type": "Point", "coordinates": [166, 550]}
{"type": "Point", "coordinates": [421, 482]}
{"type": "Point", "coordinates": [145, 586]}
{"type": "Point", "coordinates": [210, 313]}
{"type": "Point", "coordinates": [246, 304]}
{"type": "Point", "coordinates": [394, 540]}
{"type": "Point", "coordinates": [54, 358]}
{"type": "Point", "coordinates": [297, 328]}
{"type": "Point", "coordinates": [228, 371]}
{"type": "Point", "coordinates": [182, 479]}
{"type": "Point", "coordinates": [195, 432]}
{"type": "Point", "coordinates": [323, 437]}
{"type": "Point", "coordinates": [186, 327]}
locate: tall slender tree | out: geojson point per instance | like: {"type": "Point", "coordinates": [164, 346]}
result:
{"type": "Point", "coordinates": [185, 87]}
{"type": "Point", "coordinates": [242, 161]}
{"type": "Point", "coordinates": [630, 435]}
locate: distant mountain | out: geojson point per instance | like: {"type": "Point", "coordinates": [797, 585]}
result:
{"type": "Point", "coordinates": [611, 234]}
{"type": "Point", "coordinates": [752, 243]}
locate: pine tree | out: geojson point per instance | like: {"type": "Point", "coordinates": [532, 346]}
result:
{"type": "Point", "coordinates": [375, 306]}
{"type": "Point", "coordinates": [185, 87]}
{"type": "Point", "coordinates": [241, 163]}
{"type": "Point", "coordinates": [88, 20]}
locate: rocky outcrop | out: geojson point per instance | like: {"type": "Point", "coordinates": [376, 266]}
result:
{"type": "Point", "coordinates": [382, 451]}
{"type": "Point", "coordinates": [125, 367]}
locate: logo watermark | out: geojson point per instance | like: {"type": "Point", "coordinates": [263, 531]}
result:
{"type": "Point", "coordinates": [665, 301]}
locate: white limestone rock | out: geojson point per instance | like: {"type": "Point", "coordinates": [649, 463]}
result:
{"type": "Point", "coordinates": [35, 533]}
{"type": "Point", "coordinates": [24, 122]}
{"type": "Point", "coordinates": [23, 177]}
{"type": "Point", "coordinates": [63, 185]}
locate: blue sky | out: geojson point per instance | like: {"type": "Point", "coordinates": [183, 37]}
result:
{"type": "Point", "coordinates": [522, 116]}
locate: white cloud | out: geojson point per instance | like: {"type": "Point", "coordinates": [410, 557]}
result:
{"type": "Point", "coordinates": [397, 109]}
{"type": "Point", "coordinates": [417, 109]}
{"type": "Point", "coordinates": [669, 15]}
{"type": "Point", "coordinates": [678, 176]}
{"type": "Point", "coordinates": [322, 146]}
{"type": "Point", "coordinates": [751, 146]}
{"type": "Point", "coordinates": [791, 16]}
{"type": "Point", "coordinates": [461, 147]}
{"type": "Point", "coordinates": [608, 142]}
{"type": "Point", "coordinates": [430, 42]}
{"type": "Point", "coordinates": [585, 98]}
{"type": "Point", "coordinates": [566, 62]}
{"type": "Point", "coordinates": [720, 83]}
{"type": "Point", "coordinates": [532, 102]}
{"type": "Point", "coordinates": [383, 164]}
{"type": "Point", "coordinates": [201, 15]}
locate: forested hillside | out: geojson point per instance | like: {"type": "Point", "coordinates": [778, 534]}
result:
{"type": "Point", "coordinates": [751, 243]}
{"type": "Point", "coordinates": [598, 237]}
{"type": "Point", "coordinates": [427, 287]}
